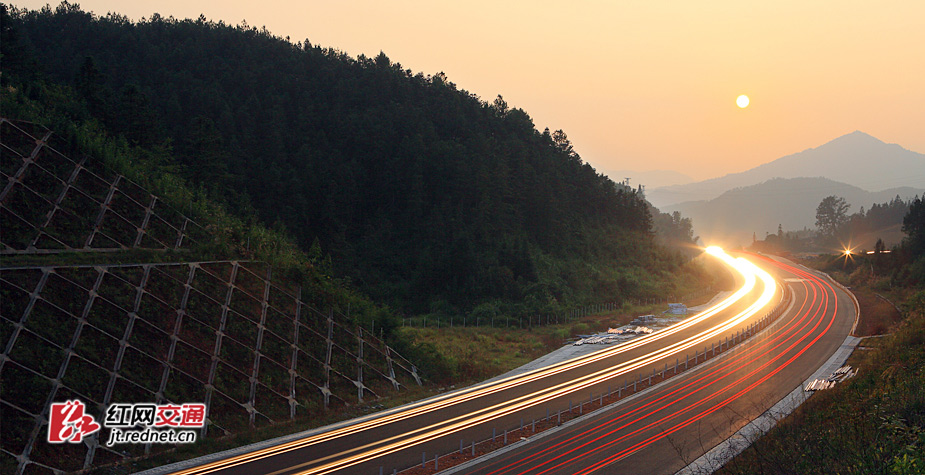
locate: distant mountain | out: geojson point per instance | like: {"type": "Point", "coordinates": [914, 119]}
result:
{"type": "Point", "coordinates": [650, 179]}
{"type": "Point", "coordinates": [856, 159]}
{"type": "Point", "coordinates": [732, 217]}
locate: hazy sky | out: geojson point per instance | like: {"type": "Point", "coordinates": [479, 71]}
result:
{"type": "Point", "coordinates": [642, 85]}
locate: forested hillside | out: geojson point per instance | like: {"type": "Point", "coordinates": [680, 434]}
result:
{"type": "Point", "coordinates": [428, 197]}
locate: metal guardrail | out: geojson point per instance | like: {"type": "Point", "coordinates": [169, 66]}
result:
{"type": "Point", "coordinates": [469, 450]}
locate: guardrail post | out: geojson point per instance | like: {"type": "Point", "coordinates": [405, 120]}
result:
{"type": "Point", "coordinates": [473, 447]}
{"type": "Point", "coordinates": [423, 459]}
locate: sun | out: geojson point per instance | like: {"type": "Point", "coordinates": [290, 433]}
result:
{"type": "Point", "coordinates": [742, 101]}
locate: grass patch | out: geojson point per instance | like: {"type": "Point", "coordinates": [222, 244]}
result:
{"type": "Point", "coordinates": [478, 353]}
{"type": "Point", "coordinates": [473, 354]}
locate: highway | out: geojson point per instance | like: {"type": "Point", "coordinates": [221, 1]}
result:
{"type": "Point", "coordinates": [688, 415]}
{"type": "Point", "coordinates": [674, 423]}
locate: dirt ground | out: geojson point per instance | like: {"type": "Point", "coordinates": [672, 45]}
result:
{"type": "Point", "coordinates": [878, 316]}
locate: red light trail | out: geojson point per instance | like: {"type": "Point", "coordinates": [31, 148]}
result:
{"type": "Point", "coordinates": [780, 336]}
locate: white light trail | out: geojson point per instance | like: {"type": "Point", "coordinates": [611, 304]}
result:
{"type": "Point", "coordinates": [749, 272]}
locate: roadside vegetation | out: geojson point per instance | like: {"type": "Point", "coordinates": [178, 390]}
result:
{"type": "Point", "coordinates": [873, 423]}
{"type": "Point", "coordinates": [466, 355]}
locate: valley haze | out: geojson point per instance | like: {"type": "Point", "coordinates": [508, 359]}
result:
{"type": "Point", "coordinates": [736, 207]}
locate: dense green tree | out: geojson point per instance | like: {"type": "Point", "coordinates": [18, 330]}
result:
{"type": "Point", "coordinates": [673, 228]}
{"type": "Point", "coordinates": [418, 191]}
{"type": "Point", "coordinates": [205, 154]}
{"type": "Point", "coordinates": [831, 213]}
{"type": "Point", "coordinates": [878, 217]}
{"type": "Point", "coordinates": [914, 226]}
{"type": "Point", "coordinates": [135, 119]}
{"type": "Point", "coordinates": [13, 56]}
{"type": "Point", "coordinates": [89, 84]}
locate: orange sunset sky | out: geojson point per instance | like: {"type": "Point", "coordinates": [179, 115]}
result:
{"type": "Point", "coordinates": [639, 85]}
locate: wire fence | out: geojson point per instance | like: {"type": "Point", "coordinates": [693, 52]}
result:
{"type": "Point", "coordinates": [225, 333]}
{"type": "Point", "coordinates": [221, 332]}
{"type": "Point", "coordinates": [50, 203]}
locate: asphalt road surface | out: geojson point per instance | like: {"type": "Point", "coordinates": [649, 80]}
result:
{"type": "Point", "coordinates": [656, 432]}
{"type": "Point", "coordinates": [688, 415]}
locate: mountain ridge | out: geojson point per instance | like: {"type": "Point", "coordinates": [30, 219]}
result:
{"type": "Point", "coordinates": [856, 158]}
